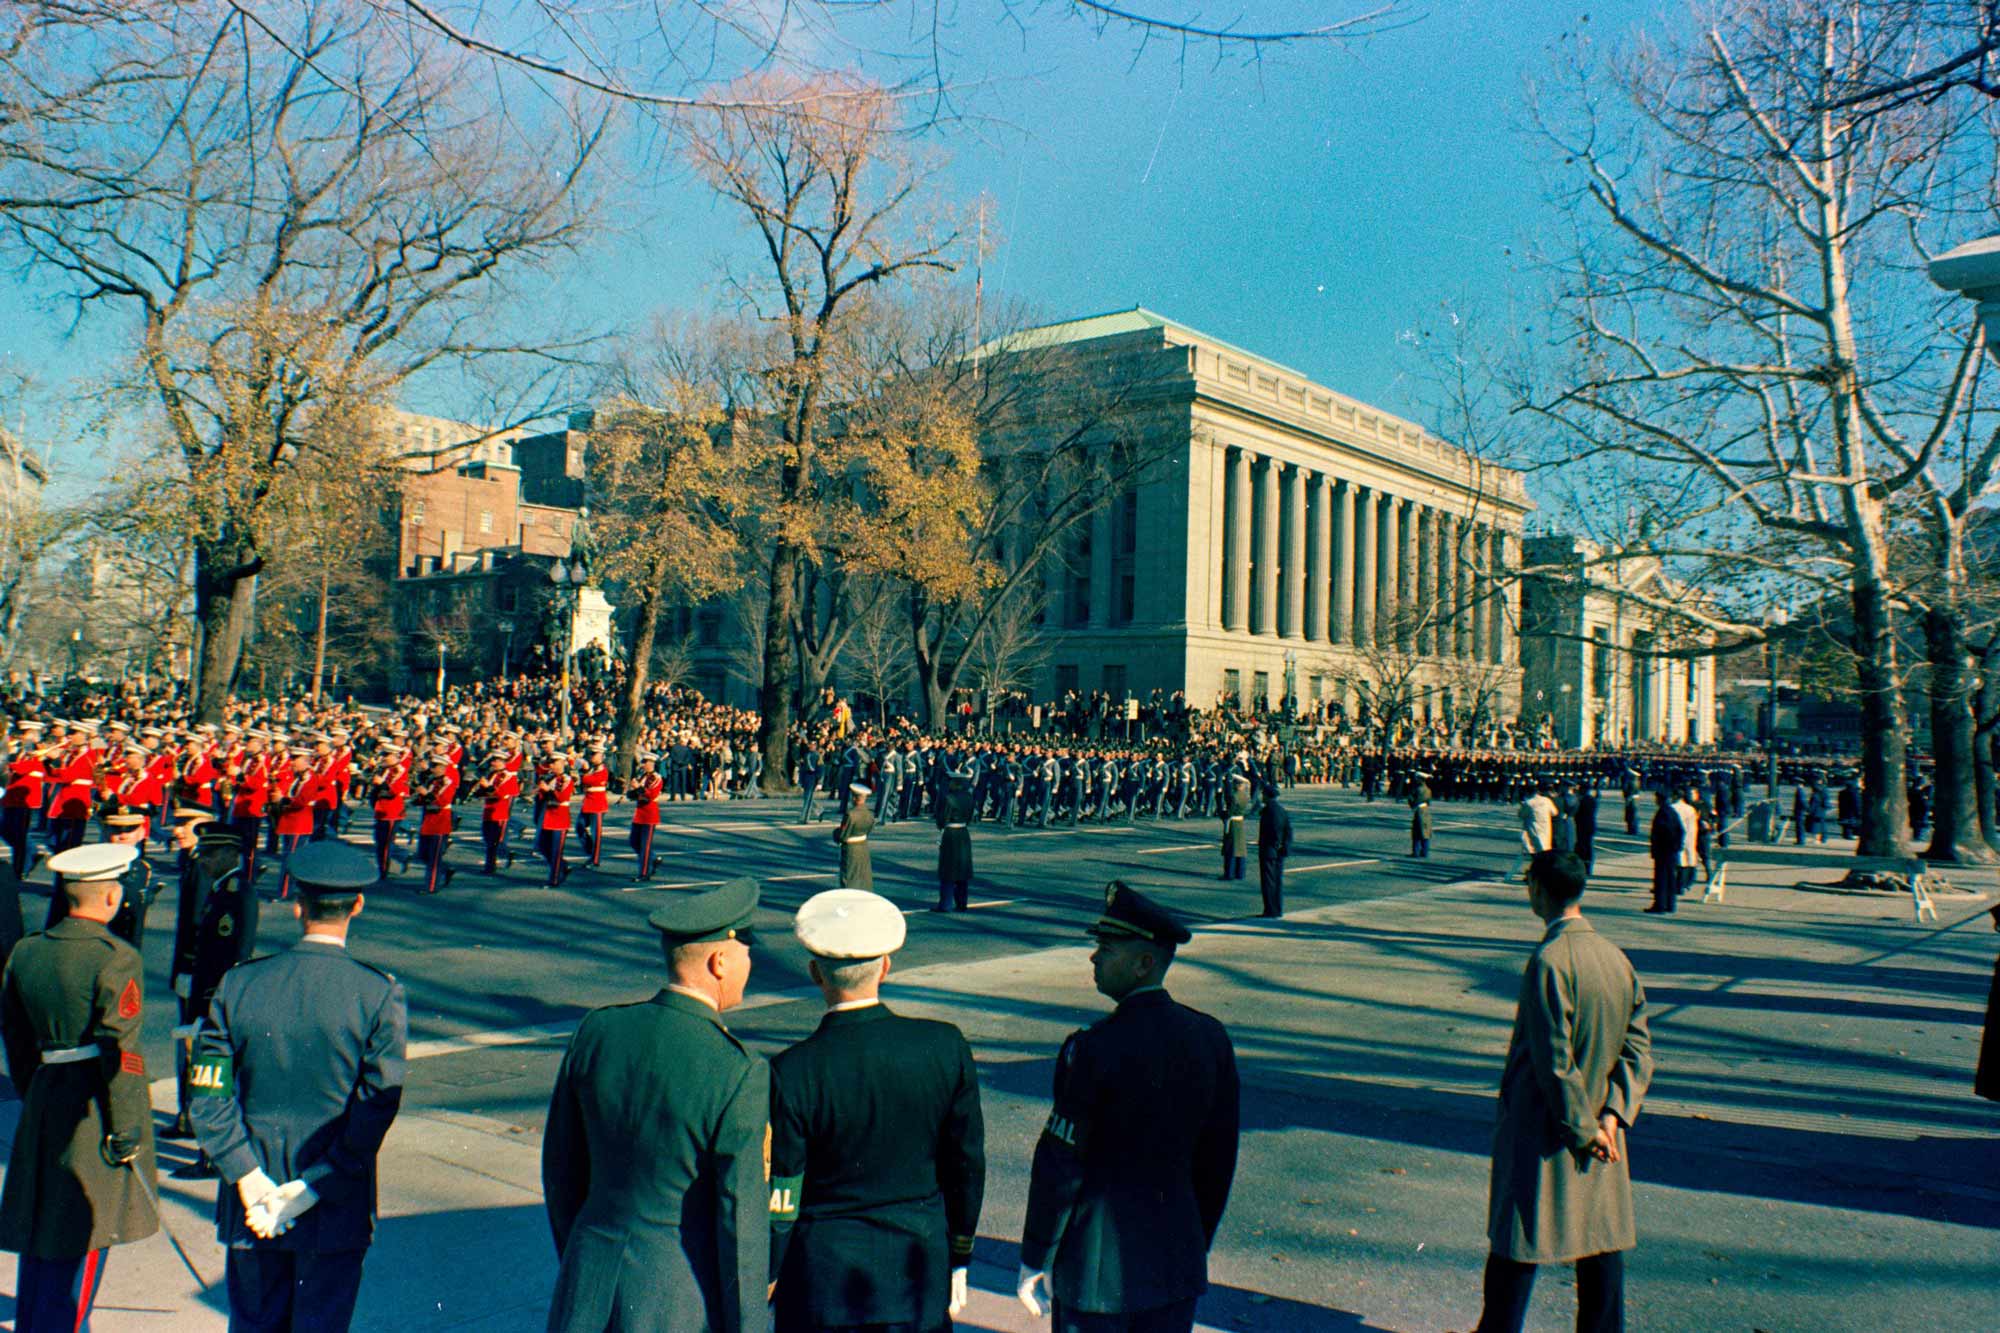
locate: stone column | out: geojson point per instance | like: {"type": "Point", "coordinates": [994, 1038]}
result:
{"type": "Point", "coordinates": [1236, 544]}
{"type": "Point", "coordinates": [1390, 541]}
{"type": "Point", "coordinates": [1427, 584]}
{"type": "Point", "coordinates": [1481, 552]}
{"type": "Point", "coordinates": [1507, 607]}
{"type": "Point", "coordinates": [1292, 589]}
{"type": "Point", "coordinates": [1319, 542]}
{"type": "Point", "coordinates": [1406, 575]}
{"type": "Point", "coordinates": [1367, 550]}
{"type": "Point", "coordinates": [1264, 604]}
{"type": "Point", "coordinates": [1342, 628]}
{"type": "Point", "coordinates": [1100, 567]}
{"type": "Point", "coordinates": [1461, 587]}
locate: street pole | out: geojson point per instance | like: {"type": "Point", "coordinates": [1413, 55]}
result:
{"type": "Point", "coordinates": [1771, 725]}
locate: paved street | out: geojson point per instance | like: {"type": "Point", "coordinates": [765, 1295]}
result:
{"type": "Point", "coordinates": [1811, 1156]}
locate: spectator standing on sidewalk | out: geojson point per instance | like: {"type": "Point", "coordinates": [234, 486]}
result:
{"type": "Point", "coordinates": [1987, 1082]}
{"type": "Point", "coordinates": [1667, 836]}
{"type": "Point", "coordinates": [1578, 1065]}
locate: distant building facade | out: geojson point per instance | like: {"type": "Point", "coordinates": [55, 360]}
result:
{"type": "Point", "coordinates": [1601, 667]}
{"type": "Point", "coordinates": [1291, 541]}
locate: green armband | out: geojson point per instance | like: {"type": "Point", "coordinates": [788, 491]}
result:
{"type": "Point", "coordinates": [785, 1192]}
{"type": "Point", "coordinates": [213, 1076]}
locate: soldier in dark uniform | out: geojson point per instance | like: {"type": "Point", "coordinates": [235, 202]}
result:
{"type": "Point", "coordinates": [654, 1161]}
{"type": "Point", "coordinates": [851, 836]}
{"type": "Point", "coordinates": [1133, 1170]}
{"type": "Point", "coordinates": [121, 830]}
{"type": "Point", "coordinates": [1235, 838]}
{"type": "Point", "coordinates": [81, 1177]}
{"type": "Point", "coordinates": [1274, 844]}
{"type": "Point", "coordinates": [878, 1146]}
{"type": "Point", "coordinates": [953, 815]}
{"type": "Point", "coordinates": [298, 1074]}
{"type": "Point", "coordinates": [215, 928]}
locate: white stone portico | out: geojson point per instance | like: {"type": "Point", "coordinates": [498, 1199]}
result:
{"type": "Point", "coordinates": [1289, 532]}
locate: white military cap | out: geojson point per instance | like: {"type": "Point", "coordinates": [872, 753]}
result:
{"type": "Point", "coordinates": [848, 924]}
{"type": "Point", "coordinates": [94, 861]}
{"type": "Point", "coordinates": [858, 788]}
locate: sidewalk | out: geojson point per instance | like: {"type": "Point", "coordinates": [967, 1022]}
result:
{"type": "Point", "coordinates": [1811, 1155]}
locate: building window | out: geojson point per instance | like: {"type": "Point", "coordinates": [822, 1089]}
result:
{"type": "Point", "coordinates": [1114, 681]}
{"type": "Point", "coordinates": [1316, 687]}
{"type": "Point", "coordinates": [486, 520]}
{"type": "Point", "coordinates": [708, 627]}
{"type": "Point", "coordinates": [1600, 664]}
{"type": "Point", "coordinates": [1066, 681]}
{"type": "Point", "coordinates": [417, 512]}
{"type": "Point", "coordinates": [1232, 686]}
{"type": "Point", "coordinates": [1260, 689]}
{"type": "Point", "coordinates": [1124, 562]}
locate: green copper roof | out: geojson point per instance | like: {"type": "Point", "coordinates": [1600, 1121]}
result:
{"type": "Point", "coordinates": [1109, 324]}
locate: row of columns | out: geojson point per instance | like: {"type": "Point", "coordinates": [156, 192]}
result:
{"type": "Point", "coordinates": [1313, 557]}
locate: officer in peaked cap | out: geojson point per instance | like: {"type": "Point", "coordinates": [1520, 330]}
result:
{"type": "Point", "coordinates": [118, 856]}
{"type": "Point", "coordinates": [1133, 1169]}
{"type": "Point", "coordinates": [656, 1158]}
{"type": "Point", "coordinates": [297, 1076]}
{"type": "Point", "coordinates": [878, 1145]}
{"type": "Point", "coordinates": [215, 928]}
{"type": "Point", "coordinates": [80, 1177]}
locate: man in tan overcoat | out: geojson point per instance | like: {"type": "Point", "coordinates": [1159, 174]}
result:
{"type": "Point", "coordinates": [1577, 1070]}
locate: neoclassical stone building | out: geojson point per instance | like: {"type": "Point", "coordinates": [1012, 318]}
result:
{"type": "Point", "coordinates": [1290, 536]}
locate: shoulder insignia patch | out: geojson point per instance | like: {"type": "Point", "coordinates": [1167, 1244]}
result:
{"type": "Point", "coordinates": [1062, 1129]}
{"type": "Point", "coordinates": [128, 1000]}
{"type": "Point", "coordinates": [785, 1192]}
{"type": "Point", "coordinates": [131, 1062]}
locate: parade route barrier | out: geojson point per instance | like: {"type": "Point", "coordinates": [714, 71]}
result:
{"type": "Point", "coordinates": [1917, 878]}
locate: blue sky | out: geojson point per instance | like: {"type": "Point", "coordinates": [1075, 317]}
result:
{"type": "Point", "coordinates": [1310, 207]}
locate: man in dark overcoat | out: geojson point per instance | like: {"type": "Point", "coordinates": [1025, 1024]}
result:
{"type": "Point", "coordinates": [953, 816]}
{"type": "Point", "coordinates": [1274, 844]}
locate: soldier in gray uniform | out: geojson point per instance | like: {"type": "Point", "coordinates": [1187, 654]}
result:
{"type": "Point", "coordinates": [298, 1073]}
{"type": "Point", "coordinates": [655, 1161]}
{"type": "Point", "coordinates": [878, 1145]}
{"type": "Point", "coordinates": [1133, 1169]}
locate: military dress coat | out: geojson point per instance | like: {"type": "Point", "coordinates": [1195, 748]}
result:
{"type": "Point", "coordinates": [215, 925]}
{"type": "Point", "coordinates": [1580, 1048]}
{"type": "Point", "coordinates": [298, 1072]}
{"type": "Point", "coordinates": [655, 1174]}
{"type": "Point", "coordinates": [1420, 810]}
{"type": "Point", "coordinates": [76, 985]}
{"type": "Point", "coordinates": [878, 1171]}
{"type": "Point", "coordinates": [1235, 837]}
{"type": "Point", "coordinates": [954, 813]}
{"type": "Point", "coordinates": [856, 870]}
{"type": "Point", "coordinates": [1133, 1169]}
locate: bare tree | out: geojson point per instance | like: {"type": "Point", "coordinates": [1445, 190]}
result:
{"type": "Point", "coordinates": [1740, 314]}
{"type": "Point", "coordinates": [878, 652]}
{"type": "Point", "coordinates": [300, 212]}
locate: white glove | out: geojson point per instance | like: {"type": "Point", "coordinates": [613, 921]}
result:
{"type": "Point", "coordinates": [280, 1209]}
{"type": "Point", "coordinates": [253, 1189]}
{"type": "Point", "coordinates": [1024, 1287]}
{"type": "Point", "coordinates": [960, 1279]}
{"type": "Point", "coordinates": [184, 986]}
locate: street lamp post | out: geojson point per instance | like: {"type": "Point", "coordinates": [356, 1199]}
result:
{"type": "Point", "coordinates": [75, 641]}
{"type": "Point", "coordinates": [569, 578]}
{"type": "Point", "coordinates": [1775, 618]}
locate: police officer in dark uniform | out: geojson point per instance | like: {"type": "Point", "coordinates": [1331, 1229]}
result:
{"type": "Point", "coordinates": [1274, 844]}
{"type": "Point", "coordinates": [954, 814]}
{"type": "Point", "coordinates": [214, 930]}
{"type": "Point", "coordinates": [81, 1175]}
{"type": "Point", "coordinates": [1133, 1169]}
{"type": "Point", "coordinates": [878, 1145]}
{"type": "Point", "coordinates": [654, 1161]}
{"type": "Point", "coordinates": [298, 1074]}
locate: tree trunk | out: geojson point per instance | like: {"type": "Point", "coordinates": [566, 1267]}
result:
{"type": "Point", "coordinates": [774, 699]}
{"type": "Point", "coordinates": [319, 638]}
{"type": "Point", "coordinates": [1986, 745]}
{"type": "Point", "coordinates": [224, 592]}
{"type": "Point", "coordinates": [1885, 817]}
{"type": "Point", "coordinates": [1954, 802]}
{"type": "Point", "coordinates": [632, 701]}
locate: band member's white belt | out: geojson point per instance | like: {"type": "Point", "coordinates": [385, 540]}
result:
{"type": "Point", "coordinates": [954, 826]}
{"type": "Point", "coordinates": [72, 1055]}
{"type": "Point", "coordinates": [862, 838]}
{"type": "Point", "coordinates": [1236, 819]}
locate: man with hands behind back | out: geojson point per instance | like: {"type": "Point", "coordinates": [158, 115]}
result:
{"type": "Point", "coordinates": [298, 1073]}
